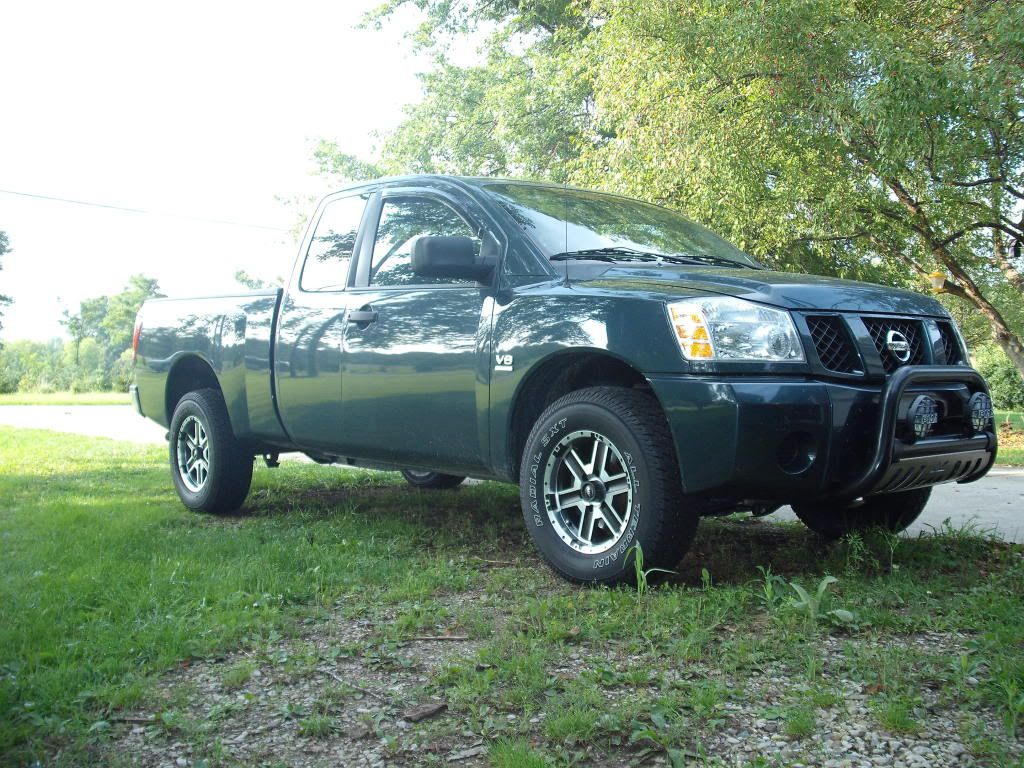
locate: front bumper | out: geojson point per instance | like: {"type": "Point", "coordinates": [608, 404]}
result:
{"type": "Point", "coordinates": [785, 440]}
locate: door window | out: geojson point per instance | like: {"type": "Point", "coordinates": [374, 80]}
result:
{"type": "Point", "coordinates": [330, 251]}
{"type": "Point", "coordinates": [402, 222]}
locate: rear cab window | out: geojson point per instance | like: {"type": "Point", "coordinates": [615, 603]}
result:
{"type": "Point", "coordinates": [330, 250]}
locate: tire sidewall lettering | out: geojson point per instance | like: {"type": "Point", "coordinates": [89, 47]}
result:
{"type": "Point", "coordinates": [536, 516]}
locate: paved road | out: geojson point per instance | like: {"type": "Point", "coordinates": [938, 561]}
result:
{"type": "Point", "coordinates": [995, 502]}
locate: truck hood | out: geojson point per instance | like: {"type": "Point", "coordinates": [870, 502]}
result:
{"type": "Point", "coordinates": [781, 289]}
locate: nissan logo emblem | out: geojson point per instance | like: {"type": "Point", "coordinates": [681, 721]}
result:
{"type": "Point", "coordinates": [898, 344]}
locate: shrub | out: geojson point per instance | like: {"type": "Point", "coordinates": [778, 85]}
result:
{"type": "Point", "coordinates": [1004, 380]}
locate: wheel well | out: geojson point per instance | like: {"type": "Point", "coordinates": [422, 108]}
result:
{"type": "Point", "coordinates": [556, 377]}
{"type": "Point", "coordinates": [186, 376]}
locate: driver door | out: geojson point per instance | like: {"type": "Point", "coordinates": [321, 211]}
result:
{"type": "Point", "coordinates": [415, 354]}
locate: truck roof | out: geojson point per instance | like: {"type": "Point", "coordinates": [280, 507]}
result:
{"type": "Point", "coordinates": [471, 181]}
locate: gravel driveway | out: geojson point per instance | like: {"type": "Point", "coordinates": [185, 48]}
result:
{"type": "Point", "coordinates": [995, 502]}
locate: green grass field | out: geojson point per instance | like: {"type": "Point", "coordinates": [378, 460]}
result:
{"type": "Point", "coordinates": [1011, 452]}
{"type": "Point", "coordinates": [65, 398]}
{"type": "Point", "coordinates": [119, 610]}
{"type": "Point", "coordinates": [1016, 418]}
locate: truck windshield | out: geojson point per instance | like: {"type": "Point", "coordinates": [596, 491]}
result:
{"type": "Point", "coordinates": [575, 223]}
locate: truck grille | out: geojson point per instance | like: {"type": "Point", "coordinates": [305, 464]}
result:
{"type": "Point", "coordinates": [950, 345]}
{"type": "Point", "coordinates": [833, 344]}
{"type": "Point", "coordinates": [879, 328]}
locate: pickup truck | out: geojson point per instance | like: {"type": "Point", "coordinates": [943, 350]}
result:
{"type": "Point", "coordinates": [629, 369]}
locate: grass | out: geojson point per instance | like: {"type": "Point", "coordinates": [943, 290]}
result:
{"type": "Point", "coordinates": [1013, 457]}
{"type": "Point", "coordinates": [65, 398]}
{"type": "Point", "coordinates": [107, 585]}
{"type": "Point", "coordinates": [1016, 418]}
{"type": "Point", "coordinates": [1011, 449]}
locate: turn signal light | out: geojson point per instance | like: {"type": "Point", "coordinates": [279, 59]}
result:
{"type": "Point", "coordinates": [692, 331]}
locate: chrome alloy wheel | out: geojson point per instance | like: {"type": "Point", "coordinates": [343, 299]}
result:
{"type": "Point", "coordinates": [588, 492]}
{"type": "Point", "coordinates": [193, 454]}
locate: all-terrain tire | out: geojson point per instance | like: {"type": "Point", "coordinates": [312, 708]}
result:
{"type": "Point", "coordinates": [642, 486]}
{"type": "Point", "coordinates": [431, 480]}
{"type": "Point", "coordinates": [891, 511]}
{"type": "Point", "coordinates": [201, 434]}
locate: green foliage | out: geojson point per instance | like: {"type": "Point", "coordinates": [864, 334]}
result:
{"type": "Point", "coordinates": [255, 283]}
{"type": "Point", "coordinates": [1004, 380]}
{"type": "Point", "coordinates": [873, 140]}
{"type": "Point", "coordinates": [97, 358]}
{"type": "Point", "coordinates": [508, 753]}
{"type": "Point", "coordinates": [641, 575]}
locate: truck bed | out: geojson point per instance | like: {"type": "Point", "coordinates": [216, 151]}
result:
{"type": "Point", "coordinates": [233, 333]}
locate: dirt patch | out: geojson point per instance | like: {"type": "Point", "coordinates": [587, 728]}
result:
{"type": "Point", "coordinates": [337, 695]}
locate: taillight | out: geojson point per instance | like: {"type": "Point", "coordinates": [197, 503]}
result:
{"type": "Point", "coordinates": [135, 338]}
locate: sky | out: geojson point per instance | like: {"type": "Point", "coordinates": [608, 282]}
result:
{"type": "Point", "coordinates": [189, 111]}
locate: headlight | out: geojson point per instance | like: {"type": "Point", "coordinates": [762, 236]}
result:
{"type": "Point", "coordinates": [724, 328]}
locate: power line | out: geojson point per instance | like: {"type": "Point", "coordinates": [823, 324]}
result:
{"type": "Point", "coordinates": [141, 211]}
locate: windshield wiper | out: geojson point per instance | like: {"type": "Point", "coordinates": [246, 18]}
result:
{"type": "Point", "coordinates": [615, 253]}
{"type": "Point", "coordinates": [611, 253]}
{"type": "Point", "coordinates": [703, 258]}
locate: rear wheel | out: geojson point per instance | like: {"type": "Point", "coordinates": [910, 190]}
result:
{"type": "Point", "coordinates": [891, 511]}
{"type": "Point", "coordinates": [599, 477]}
{"type": "Point", "coordinates": [431, 480]}
{"type": "Point", "coordinates": [211, 470]}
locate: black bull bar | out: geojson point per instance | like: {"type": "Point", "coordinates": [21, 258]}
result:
{"type": "Point", "coordinates": [898, 466]}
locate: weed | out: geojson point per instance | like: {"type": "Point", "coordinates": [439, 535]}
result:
{"type": "Point", "coordinates": [509, 753]}
{"type": "Point", "coordinates": [642, 576]}
{"type": "Point", "coordinates": [237, 675]}
{"type": "Point", "coordinates": [799, 722]}
{"type": "Point", "coordinates": [896, 714]}
{"type": "Point", "coordinates": [317, 726]}
{"type": "Point", "coordinates": [811, 605]}
{"type": "Point", "coordinates": [574, 724]}
{"type": "Point", "coordinates": [664, 732]}
{"type": "Point", "coordinates": [1013, 705]}
{"type": "Point", "coordinates": [772, 586]}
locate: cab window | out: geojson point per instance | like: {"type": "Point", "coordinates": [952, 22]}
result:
{"type": "Point", "coordinates": [330, 250]}
{"type": "Point", "coordinates": [402, 222]}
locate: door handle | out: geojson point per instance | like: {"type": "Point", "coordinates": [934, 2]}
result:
{"type": "Point", "coordinates": [363, 316]}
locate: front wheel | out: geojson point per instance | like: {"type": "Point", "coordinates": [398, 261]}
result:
{"type": "Point", "coordinates": [431, 480]}
{"type": "Point", "coordinates": [893, 512]}
{"type": "Point", "coordinates": [598, 478]}
{"type": "Point", "coordinates": [211, 471]}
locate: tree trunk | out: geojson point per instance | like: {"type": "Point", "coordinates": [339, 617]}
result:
{"type": "Point", "coordinates": [1013, 275]}
{"type": "Point", "coordinates": [1002, 334]}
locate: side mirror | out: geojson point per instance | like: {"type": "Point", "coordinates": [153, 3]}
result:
{"type": "Point", "coordinates": [455, 257]}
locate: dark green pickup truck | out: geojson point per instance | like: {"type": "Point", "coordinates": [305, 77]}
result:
{"type": "Point", "coordinates": [629, 369]}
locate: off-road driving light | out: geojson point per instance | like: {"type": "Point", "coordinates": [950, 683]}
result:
{"type": "Point", "coordinates": [980, 407]}
{"type": "Point", "coordinates": [922, 416]}
{"type": "Point", "coordinates": [724, 328]}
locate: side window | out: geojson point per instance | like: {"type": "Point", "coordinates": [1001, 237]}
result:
{"type": "Point", "coordinates": [402, 222]}
{"type": "Point", "coordinates": [330, 250]}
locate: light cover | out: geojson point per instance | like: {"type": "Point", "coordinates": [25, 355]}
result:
{"type": "Point", "coordinates": [725, 328]}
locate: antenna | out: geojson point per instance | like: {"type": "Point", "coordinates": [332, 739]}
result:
{"type": "Point", "coordinates": [565, 223]}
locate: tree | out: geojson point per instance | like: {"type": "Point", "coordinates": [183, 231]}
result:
{"type": "Point", "coordinates": [885, 128]}
{"type": "Point", "coordinates": [255, 283]}
{"type": "Point", "coordinates": [109, 321]}
{"type": "Point", "coordinates": [880, 139]}
{"type": "Point", "coordinates": [5, 301]}
{"type": "Point", "coordinates": [119, 320]}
